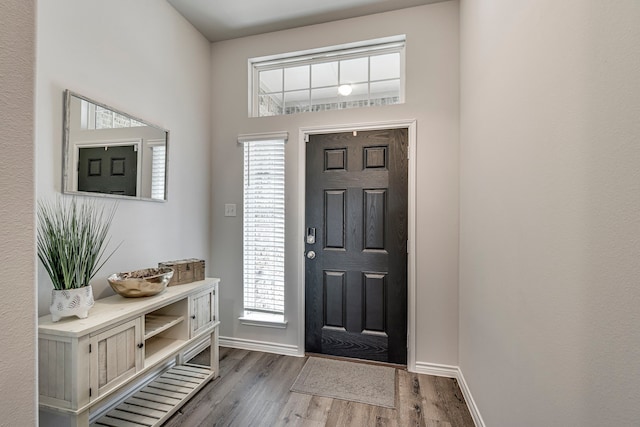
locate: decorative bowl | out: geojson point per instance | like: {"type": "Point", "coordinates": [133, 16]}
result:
{"type": "Point", "coordinates": [141, 283]}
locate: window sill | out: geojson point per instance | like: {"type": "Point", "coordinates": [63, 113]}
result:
{"type": "Point", "coordinates": [266, 320]}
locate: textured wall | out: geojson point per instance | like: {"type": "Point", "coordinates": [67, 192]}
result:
{"type": "Point", "coordinates": [550, 203]}
{"type": "Point", "coordinates": [17, 238]}
{"type": "Point", "coordinates": [431, 98]}
{"type": "Point", "coordinates": [142, 58]}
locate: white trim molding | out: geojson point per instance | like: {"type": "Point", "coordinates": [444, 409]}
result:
{"type": "Point", "coordinates": [266, 136]}
{"type": "Point", "coordinates": [471, 404]}
{"type": "Point", "coordinates": [267, 347]}
{"type": "Point", "coordinates": [411, 126]}
{"type": "Point", "coordinates": [435, 369]}
{"type": "Point", "coordinates": [267, 320]}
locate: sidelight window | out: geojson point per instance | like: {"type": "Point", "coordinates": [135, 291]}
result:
{"type": "Point", "coordinates": [349, 76]}
{"type": "Point", "coordinates": [264, 227]}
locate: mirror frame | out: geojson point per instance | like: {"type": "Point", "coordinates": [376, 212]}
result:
{"type": "Point", "coordinates": [66, 155]}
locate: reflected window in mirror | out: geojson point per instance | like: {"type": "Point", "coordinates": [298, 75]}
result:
{"type": "Point", "coordinates": [158, 162]}
{"type": "Point", "coordinates": [110, 153]}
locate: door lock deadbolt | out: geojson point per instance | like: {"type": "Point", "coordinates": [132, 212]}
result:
{"type": "Point", "coordinates": [311, 235]}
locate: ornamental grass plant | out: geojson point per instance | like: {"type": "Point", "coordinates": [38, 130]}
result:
{"type": "Point", "coordinates": [72, 240]}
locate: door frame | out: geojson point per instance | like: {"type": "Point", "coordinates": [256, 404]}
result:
{"type": "Point", "coordinates": [303, 137]}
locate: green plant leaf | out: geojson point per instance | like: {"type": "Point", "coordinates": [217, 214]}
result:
{"type": "Point", "coordinates": [72, 240]}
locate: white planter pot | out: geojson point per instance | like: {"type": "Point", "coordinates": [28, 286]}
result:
{"type": "Point", "coordinates": [71, 302]}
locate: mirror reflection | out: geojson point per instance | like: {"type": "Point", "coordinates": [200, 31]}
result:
{"type": "Point", "coordinates": [110, 153]}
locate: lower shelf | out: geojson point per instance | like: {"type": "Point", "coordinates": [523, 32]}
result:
{"type": "Point", "coordinates": [157, 348]}
{"type": "Point", "coordinates": [156, 402]}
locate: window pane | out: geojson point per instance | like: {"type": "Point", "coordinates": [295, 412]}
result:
{"type": "Point", "coordinates": [271, 81]}
{"type": "Point", "coordinates": [360, 91]}
{"type": "Point", "coordinates": [296, 78]}
{"type": "Point", "coordinates": [296, 102]}
{"type": "Point", "coordinates": [324, 99]}
{"type": "Point", "coordinates": [385, 66]}
{"type": "Point", "coordinates": [389, 89]}
{"type": "Point", "coordinates": [359, 97]}
{"type": "Point", "coordinates": [324, 74]}
{"type": "Point", "coordinates": [354, 70]}
{"type": "Point", "coordinates": [270, 105]}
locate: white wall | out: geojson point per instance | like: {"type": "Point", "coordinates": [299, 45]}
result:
{"type": "Point", "coordinates": [17, 197]}
{"type": "Point", "coordinates": [143, 58]}
{"type": "Point", "coordinates": [432, 98]}
{"type": "Point", "coordinates": [550, 203]}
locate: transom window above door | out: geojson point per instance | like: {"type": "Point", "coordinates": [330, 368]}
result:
{"type": "Point", "coordinates": [349, 76]}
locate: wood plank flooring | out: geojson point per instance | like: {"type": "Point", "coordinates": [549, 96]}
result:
{"type": "Point", "coordinates": [253, 390]}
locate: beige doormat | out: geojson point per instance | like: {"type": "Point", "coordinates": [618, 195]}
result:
{"type": "Point", "coordinates": [357, 382]}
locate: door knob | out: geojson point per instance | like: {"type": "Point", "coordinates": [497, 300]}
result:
{"type": "Point", "coordinates": [311, 254]}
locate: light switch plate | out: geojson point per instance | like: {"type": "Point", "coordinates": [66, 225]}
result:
{"type": "Point", "coordinates": [230, 209]}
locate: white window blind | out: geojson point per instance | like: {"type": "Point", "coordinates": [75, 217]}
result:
{"type": "Point", "coordinates": [158, 156]}
{"type": "Point", "coordinates": [264, 226]}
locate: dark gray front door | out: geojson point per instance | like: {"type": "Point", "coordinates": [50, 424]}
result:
{"type": "Point", "coordinates": [109, 170]}
{"type": "Point", "coordinates": [356, 248]}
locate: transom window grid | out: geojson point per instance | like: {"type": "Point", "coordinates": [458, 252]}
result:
{"type": "Point", "coordinates": [263, 220]}
{"type": "Point", "coordinates": [305, 83]}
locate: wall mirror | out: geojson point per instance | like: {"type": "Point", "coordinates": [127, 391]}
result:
{"type": "Point", "coordinates": [110, 153]}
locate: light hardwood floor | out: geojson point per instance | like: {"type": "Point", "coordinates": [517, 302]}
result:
{"type": "Point", "coordinates": [253, 390]}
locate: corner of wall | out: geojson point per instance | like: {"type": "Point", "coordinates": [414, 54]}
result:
{"type": "Point", "coordinates": [468, 398]}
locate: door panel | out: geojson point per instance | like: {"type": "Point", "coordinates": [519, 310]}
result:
{"type": "Point", "coordinates": [334, 208]}
{"type": "Point", "coordinates": [374, 218]}
{"type": "Point", "coordinates": [201, 308]}
{"type": "Point", "coordinates": [334, 299]}
{"type": "Point", "coordinates": [115, 356]}
{"type": "Point", "coordinates": [356, 286]}
{"type": "Point", "coordinates": [374, 302]}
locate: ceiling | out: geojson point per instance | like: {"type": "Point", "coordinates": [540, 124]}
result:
{"type": "Point", "coordinates": [228, 19]}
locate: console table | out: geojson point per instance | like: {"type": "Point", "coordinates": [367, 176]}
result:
{"type": "Point", "coordinates": [86, 363]}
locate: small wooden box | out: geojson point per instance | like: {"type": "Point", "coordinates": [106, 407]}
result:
{"type": "Point", "coordinates": [185, 270]}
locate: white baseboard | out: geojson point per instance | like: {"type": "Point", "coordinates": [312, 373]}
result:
{"type": "Point", "coordinates": [267, 347]}
{"type": "Point", "coordinates": [471, 404]}
{"type": "Point", "coordinates": [450, 371]}
{"type": "Point", "coordinates": [437, 370]}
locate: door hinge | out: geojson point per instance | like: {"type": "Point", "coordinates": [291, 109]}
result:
{"type": "Point", "coordinates": [89, 391]}
{"type": "Point", "coordinates": [89, 348]}
{"type": "Point", "coordinates": [407, 245]}
{"type": "Point", "coordinates": [306, 137]}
